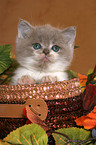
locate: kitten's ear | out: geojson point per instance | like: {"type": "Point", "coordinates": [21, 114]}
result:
{"type": "Point", "coordinates": [23, 28]}
{"type": "Point", "coordinates": [70, 34]}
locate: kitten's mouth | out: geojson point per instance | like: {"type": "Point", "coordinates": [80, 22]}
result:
{"type": "Point", "coordinates": [45, 59]}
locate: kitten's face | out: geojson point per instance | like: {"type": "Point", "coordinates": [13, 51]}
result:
{"type": "Point", "coordinates": [44, 48]}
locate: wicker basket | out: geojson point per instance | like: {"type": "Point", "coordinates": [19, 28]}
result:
{"type": "Point", "coordinates": [62, 98]}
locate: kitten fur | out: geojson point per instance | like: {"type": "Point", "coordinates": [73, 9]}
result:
{"type": "Point", "coordinates": [34, 62]}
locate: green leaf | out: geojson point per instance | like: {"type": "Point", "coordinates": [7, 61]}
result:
{"type": "Point", "coordinates": [72, 133]}
{"type": "Point", "coordinates": [90, 71]}
{"type": "Point", "coordinates": [28, 135]}
{"type": "Point", "coordinates": [91, 76]}
{"type": "Point", "coordinates": [76, 47]}
{"type": "Point", "coordinates": [4, 143]}
{"type": "Point", "coordinates": [72, 74]}
{"type": "Point", "coordinates": [5, 77]}
{"type": "Point", "coordinates": [5, 57]}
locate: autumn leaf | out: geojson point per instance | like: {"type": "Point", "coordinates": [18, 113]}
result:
{"type": "Point", "coordinates": [94, 109]}
{"type": "Point", "coordinates": [89, 97]}
{"type": "Point", "coordinates": [92, 114]}
{"type": "Point", "coordinates": [72, 74]}
{"type": "Point", "coordinates": [27, 135]}
{"type": "Point", "coordinates": [88, 121]}
{"type": "Point", "coordinates": [4, 143]}
{"type": "Point", "coordinates": [91, 76]}
{"type": "Point", "coordinates": [75, 134]}
{"type": "Point", "coordinates": [33, 118]}
{"type": "Point", "coordinates": [83, 80]}
{"type": "Point", "coordinates": [79, 121]}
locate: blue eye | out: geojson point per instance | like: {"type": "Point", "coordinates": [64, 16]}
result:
{"type": "Point", "coordinates": [36, 46]}
{"type": "Point", "coordinates": [55, 48]}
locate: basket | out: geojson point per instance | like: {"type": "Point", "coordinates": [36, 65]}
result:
{"type": "Point", "coordinates": [63, 100]}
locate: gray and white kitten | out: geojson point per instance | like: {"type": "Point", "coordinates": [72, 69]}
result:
{"type": "Point", "coordinates": [43, 52]}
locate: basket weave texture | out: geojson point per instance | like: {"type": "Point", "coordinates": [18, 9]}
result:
{"type": "Point", "coordinates": [63, 100]}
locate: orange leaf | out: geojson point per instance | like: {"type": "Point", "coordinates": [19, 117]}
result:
{"type": "Point", "coordinates": [83, 80]}
{"type": "Point", "coordinates": [94, 110]}
{"type": "Point", "coordinates": [92, 115]}
{"type": "Point", "coordinates": [89, 123]}
{"type": "Point", "coordinates": [80, 120]}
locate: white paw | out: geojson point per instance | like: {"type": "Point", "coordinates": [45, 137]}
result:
{"type": "Point", "coordinates": [26, 80]}
{"type": "Point", "coordinates": [48, 79]}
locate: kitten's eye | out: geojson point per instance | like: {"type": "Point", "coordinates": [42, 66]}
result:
{"type": "Point", "coordinates": [36, 46]}
{"type": "Point", "coordinates": [55, 48]}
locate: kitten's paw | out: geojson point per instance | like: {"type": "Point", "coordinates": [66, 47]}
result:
{"type": "Point", "coordinates": [26, 80]}
{"type": "Point", "coordinates": [48, 79]}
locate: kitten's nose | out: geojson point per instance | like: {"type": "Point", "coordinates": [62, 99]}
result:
{"type": "Point", "coordinates": [46, 51]}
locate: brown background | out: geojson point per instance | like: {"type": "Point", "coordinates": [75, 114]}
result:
{"type": "Point", "coordinates": [59, 13]}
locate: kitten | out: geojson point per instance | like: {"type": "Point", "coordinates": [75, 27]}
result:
{"type": "Point", "coordinates": [43, 52]}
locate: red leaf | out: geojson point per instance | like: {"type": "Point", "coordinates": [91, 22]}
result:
{"type": "Point", "coordinates": [33, 118]}
{"type": "Point", "coordinates": [89, 97]}
{"type": "Point", "coordinates": [25, 113]}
